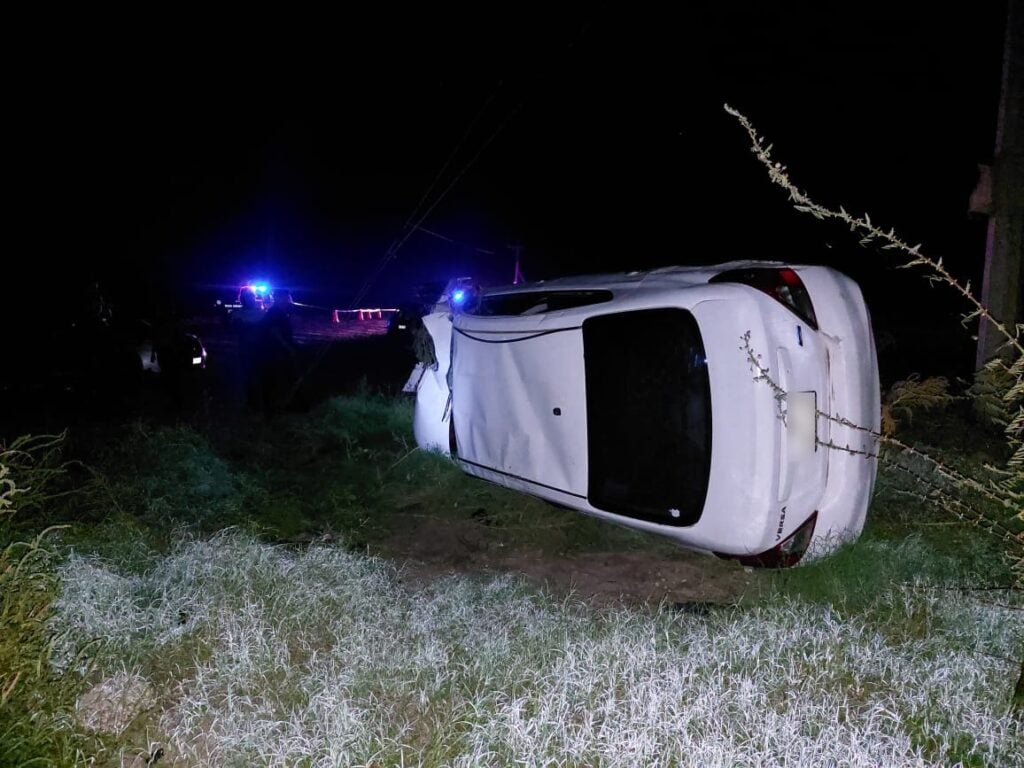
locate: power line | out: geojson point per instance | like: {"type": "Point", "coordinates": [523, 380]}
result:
{"type": "Point", "coordinates": [393, 249]}
{"type": "Point", "coordinates": [396, 242]}
{"type": "Point", "coordinates": [390, 255]}
{"type": "Point", "coordinates": [454, 152]}
{"type": "Point", "coordinates": [453, 241]}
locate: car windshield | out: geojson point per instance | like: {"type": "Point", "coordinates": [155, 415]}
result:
{"type": "Point", "coordinates": [648, 415]}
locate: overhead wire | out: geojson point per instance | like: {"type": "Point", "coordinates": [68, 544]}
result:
{"type": "Point", "coordinates": [393, 249]}
{"type": "Point", "coordinates": [409, 230]}
{"type": "Point", "coordinates": [453, 241]}
{"type": "Point", "coordinates": [391, 255]}
{"type": "Point", "coordinates": [396, 242]}
{"type": "Point", "coordinates": [392, 252]}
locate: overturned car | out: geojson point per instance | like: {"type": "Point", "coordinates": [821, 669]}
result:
{"type": "Point", "coordinates": [733, 408]}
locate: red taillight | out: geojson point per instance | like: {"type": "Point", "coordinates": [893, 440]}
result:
{"type": "Point", "coordinates": [789, 277]}
{"type": "Point", "coordinates": [782, 284]}
{"type": "Point", "coordinates": [786, 553]}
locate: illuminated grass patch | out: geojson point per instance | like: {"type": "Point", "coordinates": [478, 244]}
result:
{"type": "Point", "coordinates": [273, 656]}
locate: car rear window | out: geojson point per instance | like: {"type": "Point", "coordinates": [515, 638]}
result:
{"type": "Point", "coordinates": [536, 302]}
{"type": "Point", "coordinates": [648, 415]}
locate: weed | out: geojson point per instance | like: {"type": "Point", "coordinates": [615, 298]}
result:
{"type": "Point", "coordinates": [34, 703]}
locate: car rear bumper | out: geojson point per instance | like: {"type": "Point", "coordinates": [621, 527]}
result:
{"type": "Point", "coordinates": [852, 423]}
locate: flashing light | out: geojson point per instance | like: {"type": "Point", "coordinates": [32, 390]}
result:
{"type": "Point", "coordinates": [259, 288]}
{"type": "Point", "coordinates": [458, 296]}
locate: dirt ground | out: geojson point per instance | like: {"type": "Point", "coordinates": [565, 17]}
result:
{"type": "Point", "coordinates": [428, 547]}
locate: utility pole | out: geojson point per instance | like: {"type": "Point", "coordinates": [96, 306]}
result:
{"type": "Point", "coordinates": [1001, 286]}
{"type": "Point", "coordinates": [518, 277]}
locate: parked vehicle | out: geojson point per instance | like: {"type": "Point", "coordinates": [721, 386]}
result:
{"type": "Point", "coordinates": [186, 348]}
{"type": "Point", "coordinates": [730, 407]}
{"type": "Point", "coordinates": [119, 356]}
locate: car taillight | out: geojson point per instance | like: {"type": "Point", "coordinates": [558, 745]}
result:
{"type": "Point", "coordinates": [782, 284]}
{"type": "Point", "coordinates": [786, 553]}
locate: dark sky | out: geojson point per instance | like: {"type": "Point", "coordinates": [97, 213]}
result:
{"type": "Point", "coordinates": [191, 151]}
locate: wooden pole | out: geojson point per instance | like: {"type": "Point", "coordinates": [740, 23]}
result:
{"type": "Point", "coordinates": [1001, 285]}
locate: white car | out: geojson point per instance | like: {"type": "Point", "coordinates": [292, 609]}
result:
{"type": "Point", "coordinates": [715, 405]}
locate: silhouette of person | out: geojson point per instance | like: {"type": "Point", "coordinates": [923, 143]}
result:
{"type": "Point", "coordinates": [97, 310]}
{"type": "Point", "coordinates": [279, 356]}
{"type": "Point", "coordinates": [171, 351]}
{"type": "Point", "coordinates": [247, 324]}
{"type": "Point", "coordinates": [93, 344]}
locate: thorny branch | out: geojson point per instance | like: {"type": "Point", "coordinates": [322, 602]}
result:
{"type": "Point", "coordinates": [938, 478]}
{"type": "Point", "coordinates": [869, 233]}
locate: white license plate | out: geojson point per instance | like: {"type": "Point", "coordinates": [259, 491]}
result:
{"type": "Point", "coordinates": [801, 422]}
{"type": "Point", "coordinates": [197, 361]}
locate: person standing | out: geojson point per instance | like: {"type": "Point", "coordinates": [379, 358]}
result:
{"type": "Point", "coordinates": [279, 356]}
{"type": "Point", "coordinates": [247, 322]}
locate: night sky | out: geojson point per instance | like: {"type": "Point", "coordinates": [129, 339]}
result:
{"type": "Point", "coordinates": [187, 152]}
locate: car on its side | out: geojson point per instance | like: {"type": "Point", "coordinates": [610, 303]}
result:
{"type": "Point", "coordinates": [733, 408]}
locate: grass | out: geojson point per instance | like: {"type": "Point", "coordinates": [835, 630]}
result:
{"type": "Point", "coordinates": [347, 468]}
{"type": "Point", "coordinates": [34, 701]}
{"type": "Point", "coordinates": [323, 657]}
{"type": "Point", "coordinates": [905, 541]}
{"type": "Point", "coordinates": [193, 608]}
